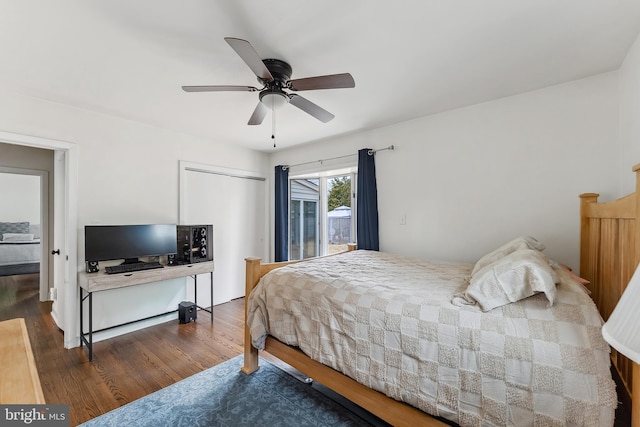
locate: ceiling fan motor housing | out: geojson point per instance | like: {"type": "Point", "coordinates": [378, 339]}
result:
{"type": "Point", "coordinates": [273, 95]}
{"type": "Point", "coordinates": [280, 70]}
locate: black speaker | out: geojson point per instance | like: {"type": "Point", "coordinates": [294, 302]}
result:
{"type": "Point", "coordinates": [187, 311]}
{"type": "Point", "coordinates": [195, 243]}
{"type": "Point", "coordinates": [92, 266]}
{"type": "Point", "coordinates": [171, 259]}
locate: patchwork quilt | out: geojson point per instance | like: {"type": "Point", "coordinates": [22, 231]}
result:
{"type": "Point", "coordinates": [388, 322]}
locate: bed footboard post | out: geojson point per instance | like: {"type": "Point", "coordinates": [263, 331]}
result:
{"type": "Point", "coordinates": [585, 232]}
{"type": "Point", "coordinates": [251, 280]}
{"type": "Point", "coordinates": [636, 169]}
{"type": "Point", "coordinates": [635, 380]}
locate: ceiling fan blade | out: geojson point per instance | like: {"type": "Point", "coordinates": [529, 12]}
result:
{"type": "Point", "coordinates": [333, 81]}
{"type": "Point", "coordinates": [258, 114]}
{"type": "Point", "coordinates": [219, 88]}
{"type": "Point", "coordinates": [309, 107]}
{"type": "Point", "coordinates": [248, 54]}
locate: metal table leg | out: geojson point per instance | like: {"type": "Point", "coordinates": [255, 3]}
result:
{"type": "Point", "coordinates": [83, 336]}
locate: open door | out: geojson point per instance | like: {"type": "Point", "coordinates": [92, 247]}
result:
{"type": "Point", "coordinates": [58, 254]}
{"type": "Point", "coordinates": [44, 236]}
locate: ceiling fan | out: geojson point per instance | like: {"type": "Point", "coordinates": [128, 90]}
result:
{"type": "Point", "coordinates": [275, 76]}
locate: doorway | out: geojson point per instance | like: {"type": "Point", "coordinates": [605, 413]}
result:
{"type": "Point", "coordinates": [63, 278]}
{"type": "Point", "coordinates": [321, 214]}
{"type": "Point", "coordinates": [25, 211]}
{"type": "Point", "coordinates": [303, 219]}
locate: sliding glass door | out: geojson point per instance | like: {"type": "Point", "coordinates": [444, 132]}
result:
{"type": "Point", "coordinates": [303, 222]}
{"type": "Point", "coordinates": [321, 215]}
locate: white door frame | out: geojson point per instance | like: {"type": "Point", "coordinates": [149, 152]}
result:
{"type": "Point", "coordinates": [44, 224]}
{"type": "Point", "coordinates": [65, 308]}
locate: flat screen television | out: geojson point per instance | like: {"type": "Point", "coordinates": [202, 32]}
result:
{"type": "Point", "coordinates": [128, 242]}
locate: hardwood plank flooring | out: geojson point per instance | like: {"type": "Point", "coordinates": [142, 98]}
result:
{"type": "Point", "coordinates": [130, 366]}
{"type": "Point", "coordinates": [124, 368]}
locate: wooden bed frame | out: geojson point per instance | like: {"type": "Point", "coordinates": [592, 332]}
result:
{"type": "Point", "coordinates": [609, 254]}
{"type": "Point", "coordinates": [392, 411]}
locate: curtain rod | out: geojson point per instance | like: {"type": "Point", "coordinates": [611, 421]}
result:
{"type": "Point", "coordinates": [370, 152]}
{"type": "Point", "coordinates": [285, 167]}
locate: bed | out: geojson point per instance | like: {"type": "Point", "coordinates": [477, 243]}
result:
{"type": "Point", "coordinates": [561, 350]}
{"type": "Point", "coordinates": [19, 248]}
{"type": "Point", "coordinates": [609, 254]}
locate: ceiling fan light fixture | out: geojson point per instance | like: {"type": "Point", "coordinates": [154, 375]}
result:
{"type": "Point", "coordinates": [274, 100]}
{"type": "Point", "coordinates": [274, 75]}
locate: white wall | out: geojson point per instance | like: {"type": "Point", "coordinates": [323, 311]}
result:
{"type": "Point", "coordinates": [470, 179]}
{"type": "Point", "coordinates": [128, 173]}
{"type": "Point", "coordinates": [467, 180]}
{"type": "Point", "coordinates": [630, 117]}
{"type": "Point", "coordinates": [20, 195]}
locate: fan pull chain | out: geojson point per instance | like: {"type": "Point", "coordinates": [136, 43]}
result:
{"type": "Point", "coordinates": [273, 124]}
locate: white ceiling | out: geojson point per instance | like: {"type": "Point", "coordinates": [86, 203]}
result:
{"type": "Point", "coordinates": [409, 58]}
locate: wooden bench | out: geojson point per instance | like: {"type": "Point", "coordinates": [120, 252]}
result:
{"type": "Point", "coordinates": [19, 380]}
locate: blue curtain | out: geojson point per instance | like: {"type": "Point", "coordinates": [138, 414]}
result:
{"type": "Point", "coordinates": [282, 213]}
{"type": "Point", "coordinates": [367, 202]}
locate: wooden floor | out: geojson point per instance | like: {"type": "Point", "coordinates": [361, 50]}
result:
{"type": "Point", "coordinates": [130, 366]}
{"type": "Point", "coordinates": [124, 368]}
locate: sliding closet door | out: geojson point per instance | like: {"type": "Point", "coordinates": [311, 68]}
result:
{"type": "Point", "coordinates": [235, 205]}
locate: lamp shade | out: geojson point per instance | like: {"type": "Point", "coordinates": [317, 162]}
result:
{"type": "Point", "coordinates": [622, 329]}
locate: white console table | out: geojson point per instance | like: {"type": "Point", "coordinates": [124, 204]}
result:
{"type": "Point", "coordinates": [101, 281]}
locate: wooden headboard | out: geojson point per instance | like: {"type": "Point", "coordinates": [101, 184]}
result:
{"type": "Point", "coordinates": [609, 255]}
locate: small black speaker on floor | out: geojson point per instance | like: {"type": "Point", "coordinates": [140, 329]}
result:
{"type": "Point", "coordinates": [187, 311]}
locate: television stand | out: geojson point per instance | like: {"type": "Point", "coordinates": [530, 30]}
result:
{"type": "Point", "coordinates": [101, 281]}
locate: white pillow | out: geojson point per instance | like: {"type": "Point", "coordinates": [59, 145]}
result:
{"type": "Point", "coordinates": [516, 276]}
{"type": "Point", "coordinates": [17, 237]}
{"type": "Point", "coordinates": [522, 242]}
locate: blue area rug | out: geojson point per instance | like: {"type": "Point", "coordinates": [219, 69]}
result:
{"type": "Point", "coordinates": [224, 396]}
